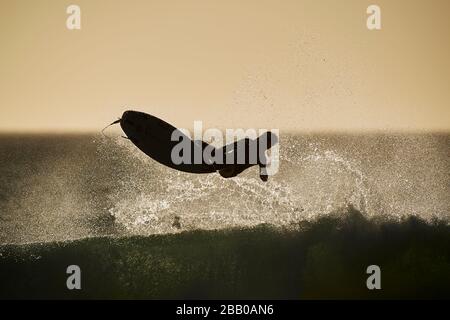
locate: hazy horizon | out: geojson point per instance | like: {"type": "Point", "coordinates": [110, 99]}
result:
{"type": "Point", "coordinates": [118, 131]}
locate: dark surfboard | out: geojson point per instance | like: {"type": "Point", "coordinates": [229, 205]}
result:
{"type": "Point", "coordinates": [153, 136]}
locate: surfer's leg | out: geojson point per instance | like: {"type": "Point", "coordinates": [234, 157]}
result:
{"type": "Point", "coordinates": [263, 173]}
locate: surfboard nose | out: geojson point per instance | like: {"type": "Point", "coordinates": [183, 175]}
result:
{"type": "Point", "coordinates": [127, 114]}
{"type": "Point", "coordinates": [132, 123]}
{"type": "Point", "coordinates": [127, 123]}
{"type": "Point", "coordinates": [133, 116]}
{"type": "Point", "coordinates": [129, 118]}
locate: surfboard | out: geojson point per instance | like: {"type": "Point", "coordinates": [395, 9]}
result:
{"type": "Point", "coordinates": [153, 136]}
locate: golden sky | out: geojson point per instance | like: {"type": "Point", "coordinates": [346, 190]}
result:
{"type": "Point", "coordinates": [290, 64]}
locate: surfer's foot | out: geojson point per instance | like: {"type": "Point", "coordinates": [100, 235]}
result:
{"type": "Point", "coordinates": [264, 177]}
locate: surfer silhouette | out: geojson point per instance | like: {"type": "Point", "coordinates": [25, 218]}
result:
{"type": "Point", "coordinates": [155, 138]}
{"type": "Point", "coordinates": [248, 147]}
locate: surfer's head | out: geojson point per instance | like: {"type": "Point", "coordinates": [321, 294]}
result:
{"type": "Point", "coordinates": [268, 139]}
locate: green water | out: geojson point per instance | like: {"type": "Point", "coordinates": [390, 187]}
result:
{"type": "Point", "coordinates": [324, 259]}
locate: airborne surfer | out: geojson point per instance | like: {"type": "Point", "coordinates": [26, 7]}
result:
{"type": "Point", "coordinates": [155, 138]}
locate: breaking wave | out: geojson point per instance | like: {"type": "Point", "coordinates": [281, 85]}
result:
{"type": "Point", "coordinates": [57, 188]}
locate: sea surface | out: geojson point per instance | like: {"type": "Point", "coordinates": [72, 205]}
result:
{"type": "Point", "coordinates": [339, 203]}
